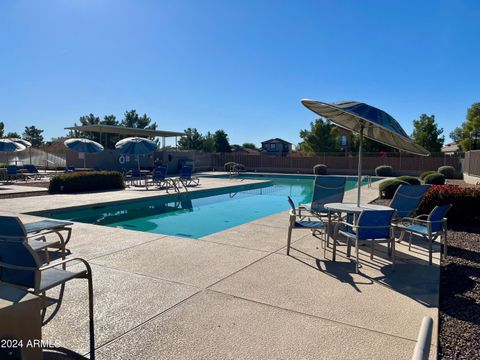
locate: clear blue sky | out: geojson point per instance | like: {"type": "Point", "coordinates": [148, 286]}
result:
{"type": "Point", "coordinates": [238, 65]}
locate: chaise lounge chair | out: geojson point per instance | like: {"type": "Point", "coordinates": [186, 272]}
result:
{"type": "Point", "coordinates": [185, 177]}
{"type": "Point", "coordinates": [21, 266]}
{"type": "Point", "coordinates": [159, 178]}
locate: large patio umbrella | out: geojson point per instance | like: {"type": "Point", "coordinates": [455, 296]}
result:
{"type": "Point", "coordinates": [136, 146]}
{"type": "Point", "coordinates": [369, 122]}
{"type": "Point", "coordinates": [25, 143]}
{"type": "Point", "coordinates": [8, 146]}
{"type": "Point", "coordinates": [84, 146]}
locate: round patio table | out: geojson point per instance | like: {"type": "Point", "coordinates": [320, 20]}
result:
{"type": "Point", "coordinates": [349, 208]}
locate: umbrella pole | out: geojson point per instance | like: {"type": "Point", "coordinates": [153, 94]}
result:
{"type": "Point", "coordinates": [360, 151]}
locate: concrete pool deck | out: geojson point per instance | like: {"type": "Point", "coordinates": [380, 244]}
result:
{"type": "Point", "coordinates": [235, 294]}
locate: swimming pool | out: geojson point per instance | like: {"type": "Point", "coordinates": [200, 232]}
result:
{"type": "Point", "coordinates": [201, 213]}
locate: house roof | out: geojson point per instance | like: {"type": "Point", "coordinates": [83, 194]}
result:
{"type": "Point", "coordinates": [276, 140]}
{"type": "Point", "coordinates": [122, 130]}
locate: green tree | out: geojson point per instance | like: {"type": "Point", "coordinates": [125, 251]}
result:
{"type": "Point", "coordinates": [33, 135]}
{"type": "Point", "coordinates": [221, 141]}
{"type": "Point", "coordinates": [368, 145]}
{"type": "Point", "coordinates": [322, 137]}
{"type": "Point", "coordinates": [468, 134]}
{"type": "Point", "coordinates": [89, 119]}
{"type": "Point", "coordinates": [109, 120]}
{"type": "Point", "coordinates": [109, 140]}
{"type": "Point", "coordinates": [2, 128]}
{"type": "Point", "coordinates": [133, 120]}
{"type": "Point", "coordinates": [427, 133]}
{"type": "Point", "coordinates": [208, 143]}
{"type": "Point", "coordinates": [249, 146]}
{"type": "Point", "coordinates": [13, 134]}
{"type": "Point", "coordinates": [192, 140]}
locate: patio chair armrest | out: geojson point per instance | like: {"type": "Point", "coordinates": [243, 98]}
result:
{"type": "Point", "coordinates": [87, 265]}
{"type": "Point", "coordinates": [421, 216]}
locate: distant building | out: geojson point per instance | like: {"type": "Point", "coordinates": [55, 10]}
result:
{"type": "Point", "coordinates": [276, 146]}
{"type": "Point", "coordinates": [450, 149]}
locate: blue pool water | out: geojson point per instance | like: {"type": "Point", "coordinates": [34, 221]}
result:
{"type": "Point", "coordinates": [200, 213]}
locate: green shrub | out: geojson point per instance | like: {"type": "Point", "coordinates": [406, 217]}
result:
{"type": "Point", "coordinates": [86, 181]}
{"type": "Point", "coordinates": [409, 179]}
{"type": "Point", "coordinates": [448, 171]}
{"type": "Point", "coordinates": [425, 173]}
{"type": "Point", "coordinates": [384, 170]}
{"type": "Point", "coordinates": [465, 210]}
{"type": "Point", "coordinates": [320, 169]}
{"type": "Point", "coordinates": [228, 166]}
{"type": "Point", "coordinates": [388, 187]}
{"type": "Point", "coordinates": [435, 179]}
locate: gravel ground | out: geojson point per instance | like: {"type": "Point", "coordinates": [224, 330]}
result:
{"type": "Point", "coordinates": [459, 335]}
{"type": "Point", "coordinates": [459, 307]}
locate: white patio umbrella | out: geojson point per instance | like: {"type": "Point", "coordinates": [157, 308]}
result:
{"type": "Point", "coordinates": [369, 122]}
{"type": "Point", "coordinates": [85, 146]}
{"type": "Point", "coordinates": [136, 146]}
{"type": "Point", "coordinates": [8, 146]}
{"type": "Point", "coordinates": [25, 143]}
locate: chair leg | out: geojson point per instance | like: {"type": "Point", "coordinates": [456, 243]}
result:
{"type": "Point", "coordinates": [90, 314]}
{"type": "Point", "coordinates": [289, 239]}
{"type": "Point", "coordinates": [445, 245]}
{"type": "Point", "coordinates": [371, 250]}
{"type": "Point", "coordinates": [356, 251]}
{"type": "Point", "coordinates": [430, 250]}
{"type": "Point", "coordinates": [409, 241]}
{"type": "Point", "coordinates": [392, 241]}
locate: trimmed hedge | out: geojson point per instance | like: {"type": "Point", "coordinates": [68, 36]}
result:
{"type": "Point", "coordinates": [425, 173]}
{"type": "Point", "coordinates": [410, 179]}
{"type": "Point", "coordinates": [384, 170]}
{"type": "Point", "coordinates": [320, 169]}
{"type": "Point", "coordinates": [388, 187]}
{"type": "Point", "coordinates": [86, 181]}
{"type": "Point", "coordinates": [435, 179]}
{"type": "Point", "coordinates": [448, 171]}
{"type": "Point", "coordinates": [465, 210]}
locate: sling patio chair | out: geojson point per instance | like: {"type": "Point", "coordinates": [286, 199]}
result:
{"type": "Point", "coordinates": [373, 226]}
{"type": "Point", "coordinates": [21, 266]}
{"type": "Point", "coordinates": [326, 189]}
{"type": "Point", "coordinates": [406, 200]}
{"type": "Point", "coordinates": [298, 221]}
{"type": "Point", "coordinates": [428, 226]}
{"type": "Point", "coordinates": [36, 235]}
{"type": "Point", "coordinates": [185, 177]}
{"type": "Point", "coordinates": [32, 172]}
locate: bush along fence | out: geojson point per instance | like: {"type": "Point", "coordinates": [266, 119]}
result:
{"type": "Point", "coordinates": [465, 210]}
{"type": "Point", "coordinates": [336, 162]}
{"type": "Point", "coordinates": [86, 181]}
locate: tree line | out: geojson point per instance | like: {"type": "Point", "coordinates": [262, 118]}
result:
{"type": "Point", "coordinates": [31, 133]}
{"type": "Point", "coordinates": [322, 136]}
